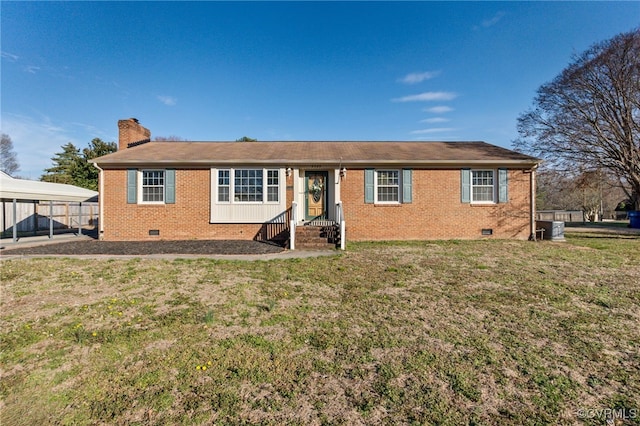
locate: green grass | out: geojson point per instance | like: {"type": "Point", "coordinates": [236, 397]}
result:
{"type": "Point", "coordinates": [453, 332]}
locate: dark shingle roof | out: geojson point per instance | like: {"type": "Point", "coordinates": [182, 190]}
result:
{"type": "Point", "coordinates": [205, 154]}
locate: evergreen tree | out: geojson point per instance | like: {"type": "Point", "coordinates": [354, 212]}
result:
{"type": "Point", "coordinates": [85, 174]}
{"type": "Point", "coordinates": [73, 168]}
{"type": "Point", "coordinates": [65, 163]}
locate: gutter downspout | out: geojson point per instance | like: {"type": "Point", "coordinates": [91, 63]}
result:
{"type": "Point", "coordinates": [100, 202]}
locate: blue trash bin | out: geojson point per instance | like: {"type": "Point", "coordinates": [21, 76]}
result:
{"type": "Point", "coordinates": [634, 219]}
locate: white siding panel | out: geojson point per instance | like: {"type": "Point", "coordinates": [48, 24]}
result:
{"type": "Point", "coordinates": [246, 212]}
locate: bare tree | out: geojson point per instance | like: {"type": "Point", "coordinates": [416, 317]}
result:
{"type": "Point", "coordinates": [595, 192]}
{"type": "Point", "coordinates": [588, 117]}
{"type": "Point", "coordinates": [588, 187]}
{"type": "Point", "coordinates": [8, 158]}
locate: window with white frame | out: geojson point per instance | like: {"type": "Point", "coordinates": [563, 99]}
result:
{"type": "Point", "coordinates": [153, 183]}
{"type": "Point", "coordinates": [223, 186]}
{"type": "Point", "coordinates": [273, 187]}
{"type": "Point", "coordinates": [482, 186]}
{"type": "Point", "coordinates": [248, 186]}
{"type": "Point", "coordinates": [387, 186]}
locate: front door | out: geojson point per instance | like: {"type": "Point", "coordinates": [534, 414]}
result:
{"type": "Point", "coordinates": [316, 195]}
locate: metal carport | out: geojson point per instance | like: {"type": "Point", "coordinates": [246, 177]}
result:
{"type": "Point", "coordinates": [30, 190]}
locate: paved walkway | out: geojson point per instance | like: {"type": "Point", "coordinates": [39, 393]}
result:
{"type": "Point", "coordinates": [40, 240]}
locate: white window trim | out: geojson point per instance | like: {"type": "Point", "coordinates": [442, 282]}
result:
{"type": "Point", "coordinates": [265, 186]}
{"type": "Point", "coordinates": [141, 186]}
{"type": "Point", "coordinates": [494, 192]}
{"type": "Point", "coordinates": [375, 186]}
{"type": "Point", "coordinates": [217, 185]}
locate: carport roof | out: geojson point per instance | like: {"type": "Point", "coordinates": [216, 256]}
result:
{"type": "Point", "coordinates": [22, 189]}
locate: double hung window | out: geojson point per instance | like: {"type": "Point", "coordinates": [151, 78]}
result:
{"type": "Point", "coordinates": [273, 187]}
{"type": "Point", "coordinates": [387, 186]}
{"type": "Point", "coordinates": [223, 185]}
{"type": "Point", "coordinates": [482, 186]}
{"type": "Point", "coordinates": [153, 186]}
{"type": "Point", "coordinates": [485, 186]}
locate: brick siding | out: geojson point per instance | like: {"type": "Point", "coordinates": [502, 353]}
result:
{"type": "Point", "coordinates": [187, 219]}
{"type": "Point", "coordinates": [435, 213]}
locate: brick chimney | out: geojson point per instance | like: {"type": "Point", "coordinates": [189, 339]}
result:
{"type": "Point", "coordinates": [132, 133]}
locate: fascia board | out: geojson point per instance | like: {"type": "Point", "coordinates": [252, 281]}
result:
{"type": "Point", "coordinates": [328, 163]}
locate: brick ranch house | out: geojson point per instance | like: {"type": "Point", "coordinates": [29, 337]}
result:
{"type": "Point", "coordinates": [284, 191]}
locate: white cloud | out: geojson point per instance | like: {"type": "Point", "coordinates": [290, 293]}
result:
{"type": "Point", "coordinates": [35, 142]}
{"type": "Point", "coordinates": [167, 100]}
{"type": "Point", "coordinates": [32, 69]}
{"type": "Point", "coordinates": [10, 56]}
{"type": "Point", "coordinates": [491, 21]}
{"type": "Point", "coordinates": [427, 96]}
{"type": "Point", "coordinates": [37, 139]}
{"type": "Point", "coordinates": [417, 77]}
{"type": "Point", "coordinates": [435, 120]}
{"type": "Point", "coordinates": [92, 130]}
{"type": "Point", "coordinates": [439, 109]}
{"type": "Point", "coordinates": [433, 130]}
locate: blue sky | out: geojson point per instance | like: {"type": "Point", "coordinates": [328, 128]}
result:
{"type": "Point", "coordinates": [284, 71]}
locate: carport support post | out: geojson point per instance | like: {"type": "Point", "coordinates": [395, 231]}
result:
{"type": "Point", "coordinates": [15, 221]}
{"type": "Point", "coordinates": [35, 218]}
{"type": "Point", "coordinates": [80, 218]}
{"type": "Point", "coordinates": [50, 219]}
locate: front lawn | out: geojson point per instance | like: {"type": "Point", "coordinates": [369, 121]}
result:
{"type": "Point", "coordinates": [456, 332]}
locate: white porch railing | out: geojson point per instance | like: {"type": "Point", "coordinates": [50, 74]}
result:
{"type": "Point", "coordinates": [341, 224]}
{"type": "Point", "coordinates": [339, 221]}
{"type": "Point", "coordinates": [292, 225]}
